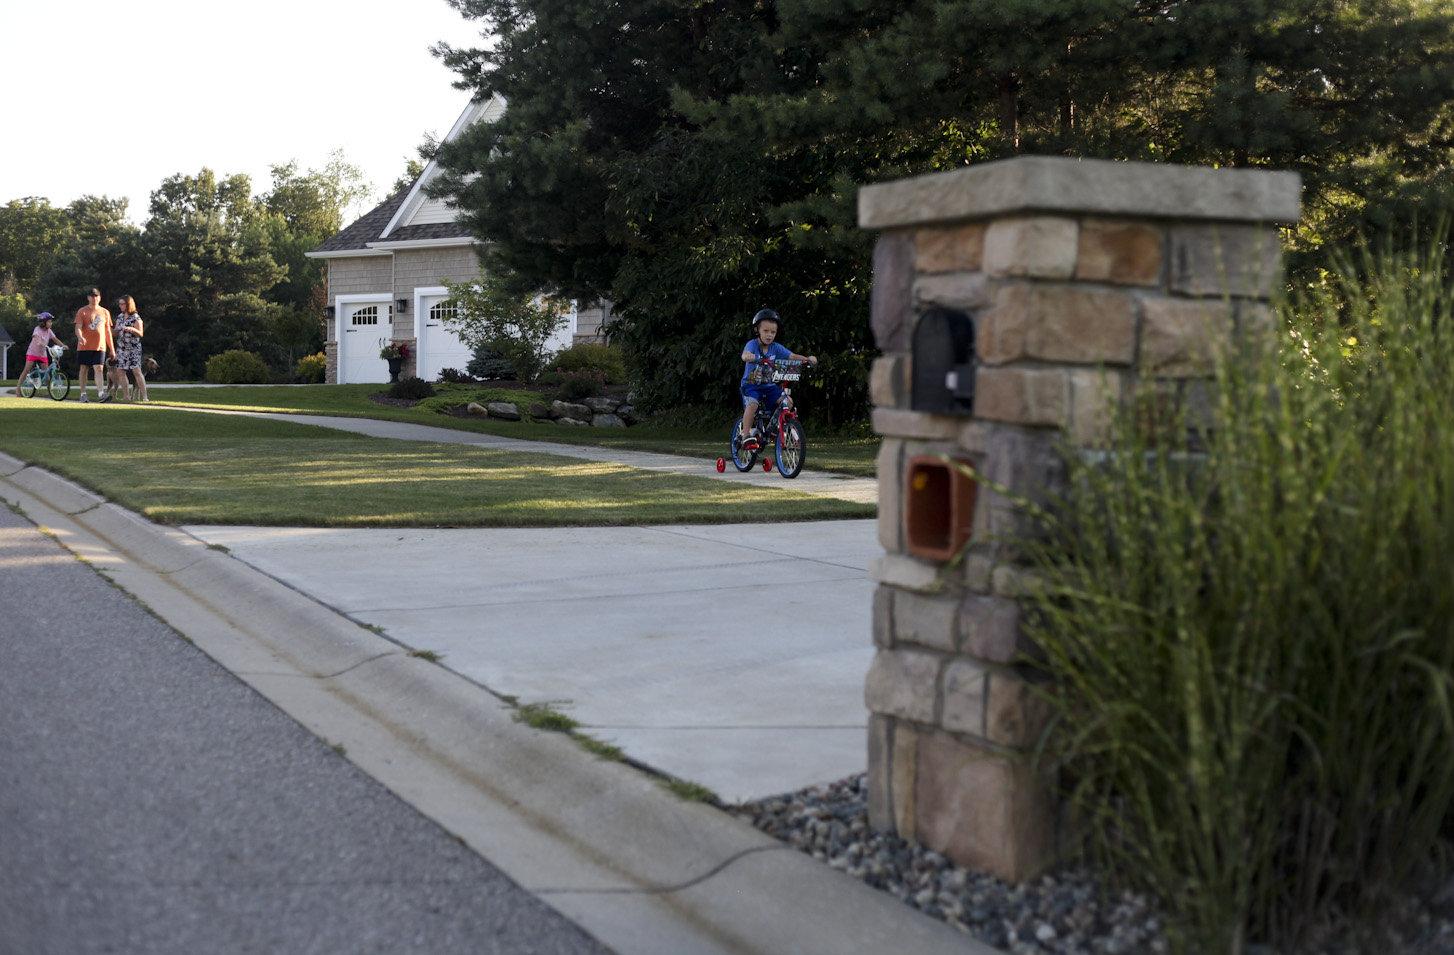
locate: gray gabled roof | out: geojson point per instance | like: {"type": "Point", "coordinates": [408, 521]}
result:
{"type": "Point", "coordinates": [360, 233]}
{"type": "Point", "coordinates": [370, 226]}
{"type": "Point", "coordinates": [5, 338]}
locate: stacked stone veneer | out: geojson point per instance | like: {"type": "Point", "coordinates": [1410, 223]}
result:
{"type": "Point", "coordinates": [1087, 281]}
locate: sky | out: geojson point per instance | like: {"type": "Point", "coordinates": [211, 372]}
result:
{"type": "Point", "coordinates": [108, 98]}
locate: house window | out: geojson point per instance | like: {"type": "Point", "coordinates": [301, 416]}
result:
{"type": "Point", "coordinates": [443, 311]}
{"type": "Point", "coordinates": [368, 315]}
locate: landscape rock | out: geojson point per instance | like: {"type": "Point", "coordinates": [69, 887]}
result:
{"type": "Point", "coordinates": [566, 409]}
{"type": "Point", "coordinates": [603, 404]}
{"type": "Point", "coordinates": [504, 410]}
{"type": "Point", "coordinates": [539, 410]}
{"type": "Point", "coordinates": [627, 414]}
{"type": "Point", "coordinates": [476, 408]}
{"type": "Point", "coordinates": [575, 422]}
{"type": "Point", "coordinates": [607, 421]}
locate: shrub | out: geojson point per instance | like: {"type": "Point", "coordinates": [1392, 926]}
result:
{"type": "Point", "coordinates": [454, 376]}
{"type": "Point", "coordinates": [237, 367]}
{"type": "Point", "coordinates": [576, 385]}
{"type": "Point", "coordinates": [488, 364]}
{"type": "Point", "coordinates": [590, 356]}
{"type": "Point", "coordinates": [312, 369]}
{"type": "Point", "coordinates": [1250, 628]}
{"type": "Point", "coordinates": [494, 313]}
{"type": "Point", "coordinates": [411, 389]}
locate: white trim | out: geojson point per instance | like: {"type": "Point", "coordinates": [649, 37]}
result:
{"type": "Point", "coordinates": [341, 300]}
{"type": "Point", "coordinates": [344, 254]}
{"type": "Point", "coordinates": [425, 243]}
{"type": "Point", "coordinates": [419, 293]}
{"type": "Point", "coordinates": [412, 201]}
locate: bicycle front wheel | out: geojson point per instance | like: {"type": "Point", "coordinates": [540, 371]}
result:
{"type": "Point", "coordinates": [792, 449]}
{"type": "Point", "coordinates": [27, 386]}
{"type": "Point", "coordinates": [59, 386]}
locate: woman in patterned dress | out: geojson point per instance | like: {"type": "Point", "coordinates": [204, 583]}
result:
{"type": "Point", "coordinates": [127, 329]}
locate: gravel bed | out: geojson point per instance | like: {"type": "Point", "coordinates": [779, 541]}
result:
{"type": "Point", "coordinates": [1067, 912]}
{"type": "Point", "coordinates": [1064, 913]}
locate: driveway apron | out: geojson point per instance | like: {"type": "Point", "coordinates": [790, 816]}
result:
{"type": "Point", "coordinates": [729, 655]}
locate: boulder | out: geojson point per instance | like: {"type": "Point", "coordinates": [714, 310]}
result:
{"type": "Point", "coordinates": [539, 410]}
{"type": "Point", "coordinates": [603, 405]}
{"type": "Point", "coordinates": [607, 421]}
{"type": "Point", "coordinates": [573, 422]}
{"type": "Point", "coordinates": [504, 410]}
{"type": "Point", "coordinates": [564, 409]}
{"type": "Point", "coordinates": [476, 408]}
{"type": "Point", "coordinates": [627, 414]}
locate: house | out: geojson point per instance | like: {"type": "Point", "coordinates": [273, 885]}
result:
{"type": "Point", "coordinates": [386, 281]}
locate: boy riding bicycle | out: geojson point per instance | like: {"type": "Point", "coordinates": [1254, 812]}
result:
{"type": "Point", "coordinates": [764, 347]}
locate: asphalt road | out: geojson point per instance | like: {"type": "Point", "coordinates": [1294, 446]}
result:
{"type": "Point", "coordinates": [151, 802]}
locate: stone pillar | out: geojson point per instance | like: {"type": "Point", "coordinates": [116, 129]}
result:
{"type": "Point", "coordinates": [411, 359]}
{"type": "Point", "coordinates": [330, 353]}
{"type": "Point", "coordinates": [1086, 280]}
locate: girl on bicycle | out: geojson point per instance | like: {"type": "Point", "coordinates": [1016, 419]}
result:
{"type": "Point", "coordinates": [35, 352]}
{"type": "Point", "coordinates": [765, 325]}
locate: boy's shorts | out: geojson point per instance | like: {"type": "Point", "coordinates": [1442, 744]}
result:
{"type": "Point", "coordinates": [41, 360]}
{"type": "Point", "coordinates": [766, 395]}
{"type": "Point", "coordinates": [89, 357]}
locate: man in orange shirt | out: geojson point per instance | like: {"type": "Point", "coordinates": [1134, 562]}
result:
{"type": "Point", "coordinates": [93, 342]}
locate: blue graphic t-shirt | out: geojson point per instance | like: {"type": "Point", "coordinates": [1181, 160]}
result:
{"type": "Point", "coordinates": [774, 351]}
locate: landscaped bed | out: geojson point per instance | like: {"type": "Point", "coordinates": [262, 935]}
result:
{"type": "Point", "coordinates": [845, 453]}
{"type": "Point", "coordinates": [213, 469]}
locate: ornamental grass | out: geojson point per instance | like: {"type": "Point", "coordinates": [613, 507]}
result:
{"type": "Point", "coordinates": [1249, 622]}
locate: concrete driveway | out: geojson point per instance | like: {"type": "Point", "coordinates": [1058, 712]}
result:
{"type": "Point", "coordinates": [729, 655]}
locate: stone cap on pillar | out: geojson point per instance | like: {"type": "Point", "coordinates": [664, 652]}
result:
{"type": "Point", "coordinates": [1066, 186]}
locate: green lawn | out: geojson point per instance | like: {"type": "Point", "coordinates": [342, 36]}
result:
{"type": "Point", "coordinates": [181, 468]}
{"type": "Point", "coordinates": [846, 455]}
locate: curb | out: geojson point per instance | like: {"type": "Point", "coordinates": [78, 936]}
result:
{"type": "Point", "coordinates": [603, 843]}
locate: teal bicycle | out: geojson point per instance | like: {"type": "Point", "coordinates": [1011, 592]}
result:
{"type": "Point", "coordinates": [50, 378]}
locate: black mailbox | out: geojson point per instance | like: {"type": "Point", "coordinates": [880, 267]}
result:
{"type": "Point", "coordinates": [943, 363]}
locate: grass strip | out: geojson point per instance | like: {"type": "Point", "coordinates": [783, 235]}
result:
{"type": "Point", "coordinates": [180, 468]}
{"type": "Point", "coordinates": [827, 451]}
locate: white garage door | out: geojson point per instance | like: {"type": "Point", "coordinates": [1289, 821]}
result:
{"type": "Point", "coordinates": [366, 327]}
{"type": "Point", "coordinates": [439, 347]}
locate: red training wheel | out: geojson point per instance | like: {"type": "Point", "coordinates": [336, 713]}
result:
{"type": "Point", "coordinates": [767, 466]}
{"type": "Point", "coordinates": [721, 465]}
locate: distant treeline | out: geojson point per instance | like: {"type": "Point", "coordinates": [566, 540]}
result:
{"type": "Point", "coordinates": [213, 267]}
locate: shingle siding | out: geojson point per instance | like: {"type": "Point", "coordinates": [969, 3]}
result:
{"type": "Point", "coordinates": [424, 268]}
{"type": "Point", "coordinates": [359, 276]}
{"type": "Point", "coordinates": [589, 320]}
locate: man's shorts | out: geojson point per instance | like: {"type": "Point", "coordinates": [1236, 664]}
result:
{"type": "Point", "coordinates": [85, 358]}
{"type": "Point", "coordinates": [766, 395]}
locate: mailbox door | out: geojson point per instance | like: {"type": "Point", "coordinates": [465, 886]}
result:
{"type": "Point", "coordinates": [943, 350]}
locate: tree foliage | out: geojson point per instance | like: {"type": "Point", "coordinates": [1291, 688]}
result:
{"type": "Point", "coordinates": [692, 162]}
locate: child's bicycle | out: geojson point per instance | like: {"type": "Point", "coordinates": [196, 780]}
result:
{"type": "Point", "coordinates": [49, 377]}
{"type": "Point", "coordinates": [779, 425]}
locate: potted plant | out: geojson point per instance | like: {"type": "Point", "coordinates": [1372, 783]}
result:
{"type": "Point", "coordinates": [394, 353]}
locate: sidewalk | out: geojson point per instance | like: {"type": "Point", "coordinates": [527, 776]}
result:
{"type": "Point", "coordinates": [822, 483]}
